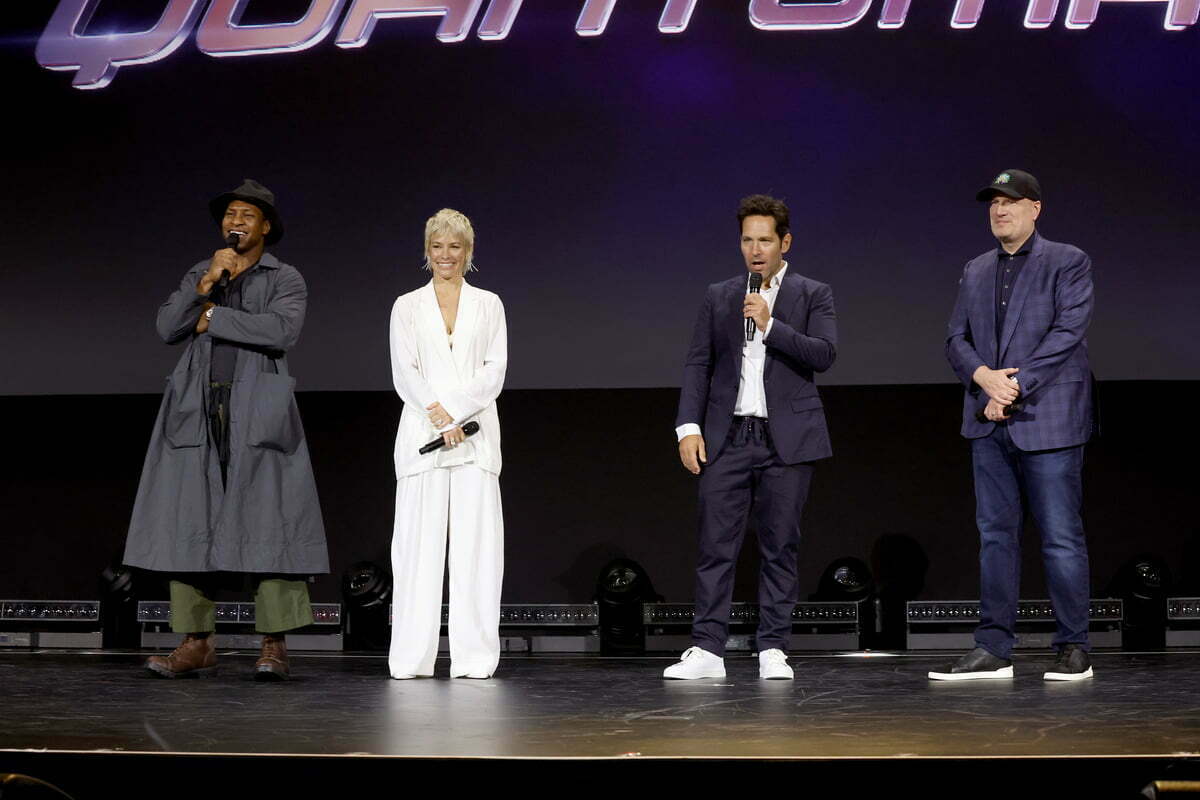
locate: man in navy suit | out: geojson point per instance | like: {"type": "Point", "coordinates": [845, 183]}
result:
{"type": "Point", "coordinates": [1017, 341]}
{"type": "Point", "coordinates": [751, 425]}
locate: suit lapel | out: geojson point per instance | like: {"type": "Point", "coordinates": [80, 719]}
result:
{"type": "Point", "coordinates": [785, 301]}
{"type": "Point", "coordinates": [464, 329]}
{"type": "Point", "coordinates": [986, 342]}
{"type": "Point", "coordinates": [1017, 300]}
{"type": "Point", "coordinates": [736, 333]}
{"type": "Point", "coordinates": [431, 320]}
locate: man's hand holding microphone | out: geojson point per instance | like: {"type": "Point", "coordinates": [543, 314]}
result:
{"type": "Point", "coordinates": [1002, 390]}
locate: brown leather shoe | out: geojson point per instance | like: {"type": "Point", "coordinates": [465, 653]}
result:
{"type": "Point", "coordinates": [272, 664]}
{"type": "Point", "coordinates": [195, 658]}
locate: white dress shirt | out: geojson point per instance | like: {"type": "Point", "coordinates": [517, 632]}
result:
{"type": "Point", "coordinates": [752, 394]}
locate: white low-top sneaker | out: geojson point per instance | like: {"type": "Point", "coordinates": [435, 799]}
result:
{"type": "Point", "coordinates": [695, 663]}
{"type": "Point", "coordinates": [772, 665]}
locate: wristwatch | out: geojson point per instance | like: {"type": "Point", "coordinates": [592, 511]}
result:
{"type": "Point", "coordinates": [208, 313]}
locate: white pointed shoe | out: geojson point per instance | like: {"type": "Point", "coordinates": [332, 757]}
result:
{"type": "Point", "coordinates": [773, 666]}
{"type": "Point", "coordinates": [695, 663]}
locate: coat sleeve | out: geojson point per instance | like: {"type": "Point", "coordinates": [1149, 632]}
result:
{"type": "Point", "coordinates": [816, 346]}
{"type": "Point", "coordinates": [960, 342]}
{"type": "Point", "coordinates": [484, 386]}
{"type": "Point", "coordinates": [1072, 312]}
{"type": "Point", "coordinates": [177, 317]}
{"type": "Point", "coordinates": [697, 368]}
{"type": "Point", "coordinates": [412, 387]}
{"type": "Point", "coordinates": [277, 328]}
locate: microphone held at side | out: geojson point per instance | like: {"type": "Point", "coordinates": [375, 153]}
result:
{"type": "Point", "coordinates": [1009, 410]}
{"type": "Point", "coordinates": [470, 429]}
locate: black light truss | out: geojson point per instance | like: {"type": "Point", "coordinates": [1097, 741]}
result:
{"type": "Point", "coordinates": [235, 613]}
{"type": "Point", "coordinates": [811, 613]}
{"type": "Point", "coordinates": [1183, 608]}
{"type": "Point", "coordinates": [967, 611]}
{"type": "Point", "coordinates": [49, 611]}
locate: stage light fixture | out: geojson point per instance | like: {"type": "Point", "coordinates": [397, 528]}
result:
{"type": "Point", "coordinates": [846, 579]}
{"type": "Point", "coordinates": [118, 606]}
{"type": "Point", "coordinates": [1143, 582]}
{"type": "Point", "coordinates": [367, 589]}
{"type": "Point", "coordinates": [622, 587]}
{"type": "Point", "coordinates": [366, 585]}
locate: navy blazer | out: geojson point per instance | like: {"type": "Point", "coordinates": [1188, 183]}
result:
{"type": "Point", "coordinates": [1044, 336]}
{"type": "Point", "coordinates": [802, 341]}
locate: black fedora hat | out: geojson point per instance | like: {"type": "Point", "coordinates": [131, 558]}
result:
{"type": "Point", "coordinates": [251, 191]}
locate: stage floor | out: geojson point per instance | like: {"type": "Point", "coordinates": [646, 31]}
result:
{"type": "Point", "coordinates": [852, 706]}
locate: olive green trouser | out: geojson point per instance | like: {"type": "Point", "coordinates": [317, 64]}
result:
{"type": "Point", "coordinates": [280, 605]}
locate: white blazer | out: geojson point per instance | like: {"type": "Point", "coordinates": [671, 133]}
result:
{"type": "Point", "coordinates": [466, 380]}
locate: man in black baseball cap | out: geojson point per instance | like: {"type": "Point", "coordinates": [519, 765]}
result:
{"type": "Point", "coordinates": [227, 485]}
{"type": "Point", "coordinates": [1014, 183]}
{"type": "Point", "coordinates": [1017, 341]}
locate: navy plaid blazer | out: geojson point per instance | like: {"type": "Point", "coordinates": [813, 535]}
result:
{"type": "Point", "coordinates": [1044, 336]}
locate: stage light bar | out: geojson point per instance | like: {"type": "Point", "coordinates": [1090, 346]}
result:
{"type": "Point", "coordinates": [816, 613]}
{"type": "Point", "coordinates": [1183, 608]}
{"type": "Point", "coordinates": [159, 611]}
{"type": "Point", "coordinates": [950, 624]}
{"type": "Point", "coordinates": [537, 615]}
{"type": "Point", "coordinates": [959, 611]}
{"type": "Point", "coordinates": [816, 626]}
{"type": "Point", "coordinates": [51, 623]}
{"type": "Point", "coordinates": [573, 627]}
{"type": "Point", "coordinates": [1183, 622]}
{"type": "Point", "coordinates": [49, 611]}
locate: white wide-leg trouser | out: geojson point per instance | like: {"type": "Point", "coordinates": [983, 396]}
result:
{"type": "Point", "coordinates": [463, 501]}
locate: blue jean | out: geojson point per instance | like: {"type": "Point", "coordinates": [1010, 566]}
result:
{"type": "Point", "coordinates": [1049, 484]}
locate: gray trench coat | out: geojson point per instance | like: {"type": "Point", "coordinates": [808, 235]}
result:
{"type": "Point", "coordinates": [268, 518]}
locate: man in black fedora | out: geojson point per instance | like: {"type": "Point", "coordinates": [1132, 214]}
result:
{"type": "Point", "coordinates": [227, 490]}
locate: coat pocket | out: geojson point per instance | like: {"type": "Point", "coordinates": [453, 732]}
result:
{"type": "Point", "coordinates": [183, 413]}
{"type": "Point", "coordinates": [807, 403]}
{"type": "Point", "coordinates": [274, 419]}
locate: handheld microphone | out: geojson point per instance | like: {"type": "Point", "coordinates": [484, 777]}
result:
{"type": "Point", "coordinates": [231, 241]}
{"type": "Point", "coordinates": [755, 285]}
{"type": "Point", "coordinates": [1009, 410]}
{"type": "Point", "coordinates": [470, 429]}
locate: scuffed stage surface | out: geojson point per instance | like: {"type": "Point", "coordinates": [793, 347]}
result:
{"type": "Point", "coordinates": [877, 707]}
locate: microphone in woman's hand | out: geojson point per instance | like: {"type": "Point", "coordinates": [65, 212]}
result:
{"type": "Point", "coordinates": [470, 429]}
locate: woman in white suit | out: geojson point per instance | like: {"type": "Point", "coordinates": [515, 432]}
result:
{"type": "Point", "coordinates": [449, 353]}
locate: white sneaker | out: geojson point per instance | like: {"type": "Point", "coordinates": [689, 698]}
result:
{"type": "Point", "coordinates": [772, 665]}
{"type": "Point", "coordinates": [696, 662]}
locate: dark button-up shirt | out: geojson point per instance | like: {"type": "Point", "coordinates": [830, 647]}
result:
{"type": "Point", "coordinates": [224, 353]}
{"type": "Point", "coordinates": [1008, 267]}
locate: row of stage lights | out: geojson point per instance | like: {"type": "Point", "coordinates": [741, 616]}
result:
{"type": "Point", "coordinates": [626, 604]}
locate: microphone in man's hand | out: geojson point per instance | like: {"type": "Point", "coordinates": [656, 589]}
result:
{"type": "Point", "coordinates": [470, 429]}
{"type": "Point", "coordinates": [231, 241]}
{"type": "Point", "coordinates": [1009, 410]}
{"type": "Point", "coordinates": [755, 285]}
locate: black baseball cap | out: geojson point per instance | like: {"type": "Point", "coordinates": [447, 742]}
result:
{"type": "Point", "coordinates": [1014, 183]}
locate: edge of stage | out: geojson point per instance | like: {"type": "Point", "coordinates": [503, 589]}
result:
{"type": "Point", "coordinates": [88, 721]}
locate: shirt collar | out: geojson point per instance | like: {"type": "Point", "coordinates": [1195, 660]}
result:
{"type": "Point", "coordinates": [1025, 250]}
{"type": "Point", "coordinates": [774, 281]}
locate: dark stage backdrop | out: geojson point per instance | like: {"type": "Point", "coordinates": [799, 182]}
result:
{"type": "Point", "coordinates": [897, 492]}
{"type": "Point", "coordinates": [602, 173]}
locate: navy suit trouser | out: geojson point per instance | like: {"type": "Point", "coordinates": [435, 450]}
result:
{"type": "Point", "coordinates": [1049, 484]}
{"type": "Point", "coordinates": [748, 473]}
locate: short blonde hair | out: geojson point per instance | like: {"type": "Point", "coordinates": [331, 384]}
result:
{"type": "Point", "coordinates": [453, 222]}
